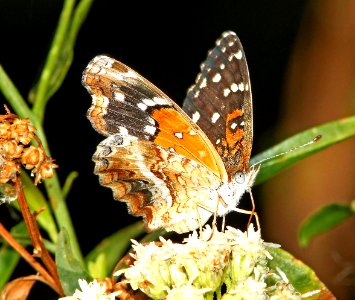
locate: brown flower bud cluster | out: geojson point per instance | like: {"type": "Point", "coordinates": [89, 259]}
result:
{"type": "Point", "coordinates": [15, 136]}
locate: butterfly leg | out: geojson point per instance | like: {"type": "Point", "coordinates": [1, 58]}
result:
{"type": "Point", "coordinates": [223, 223]}
{"type": "Point", "coordinates": [199, 218]}
{"type": "Point", "coordinates": [214, 211]}
{"type": "Point", "coordinates": [251, 212]}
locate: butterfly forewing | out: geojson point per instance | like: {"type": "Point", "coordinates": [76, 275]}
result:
{"type": "Point", "coordinates": [125, 102]}
{"type": "Point", "coordinates": [220, 102]}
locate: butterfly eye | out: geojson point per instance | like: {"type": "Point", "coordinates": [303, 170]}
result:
{"type": "Point", "coordinates": [240, 177]}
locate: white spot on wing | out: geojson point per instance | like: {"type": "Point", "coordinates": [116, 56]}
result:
{"type": "Point", "coordinates": [178, 135]}
{"type": "Point", "coordinates": [148, 102]}
{"type": "Point", "coordinates": [196, 116]}
{"type": "Point", "coordinates": [222, 66]}
{"type": "Point", "coordinates": [119, 96]}
{"type": "Point", "coordinates": [217, 77]}
{"type": "Point", "coordinates": [160, 101]}
{"type": "Point", "coordinates": [215, 117]}
{"type": "Point", "coordinates": [203, 83]}
{"type": "Point", "coordinates": [239, 54]}
{"type": "Point", "coordinates": [234, 87]}
{"type": "Point", "coordinates": [123, 130]}
{"type": "Point", "coordinates": [234, 125]}
{"type": "Point", "coordinates": [142, 106]}
{"type": "Point", "coordinates": [241, 86]}
{"type": "Point", "coordinates": [150, 129]}
{"type": "Point", "coordinates": [218, 141]}
{"type": "Point", "coordinates": [226, 92]}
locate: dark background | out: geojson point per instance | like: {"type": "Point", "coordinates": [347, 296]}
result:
{"type": "Point", "coordinates": [165, 43]}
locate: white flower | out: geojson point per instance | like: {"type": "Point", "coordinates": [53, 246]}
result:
{"type": "Point", "coordinates": [91, 291]}
{"type": "Point", "coordinates": [249, 288]}
{"type": "Point", "coordinates": [203, 264]}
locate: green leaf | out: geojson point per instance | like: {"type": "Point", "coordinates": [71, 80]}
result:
{"type": "Point", "coordinates": [8, 261]}
{"type": "Point", "coordinates": [114, 247]}
{"type": "Point", "coordinates": [69, 269]}
{"type": "Point", "coordinates": [332, 133]}
{"type": "Point", "coordinates": [69, 182]}
{"type": "Point", "coordinates": [13, 96]}
{"type": "Point", "coordinates": [323, 220]}
{"type": "Point", "coordinates": [60, 55]}
{"type": "Point", "coordinates": [302, 277]}
{"type": "Point", "coordinates": [20, 233]}
{"type": "Point", "coordinates": [97, 268]}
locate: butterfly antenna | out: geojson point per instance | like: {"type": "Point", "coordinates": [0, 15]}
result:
{"type": "Point", "coordinates": [316, 139]}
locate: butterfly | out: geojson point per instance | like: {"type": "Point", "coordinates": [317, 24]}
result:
{"type": "Point", "coordinates": [175, 167]}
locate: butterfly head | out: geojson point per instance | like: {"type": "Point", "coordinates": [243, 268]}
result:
{"type": "Point", "coordinates": [232, 191]}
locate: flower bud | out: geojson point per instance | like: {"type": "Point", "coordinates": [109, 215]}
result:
{"type": "Point", "coordinates": [10, 149]}
{"type": "Point", "coordinates": [32, 156]}
{"type": "Point", "coordinates": [45, 171]}
{"type": "Point", "coordinates": [22, 131]}
{"type": "Point", "coordinates": [5, 132]}
{"type": "Point", "coordinates": [8, 170]}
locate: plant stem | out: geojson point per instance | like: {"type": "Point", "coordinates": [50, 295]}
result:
{"type": "Point", "coordinates": [30, 259]}
{"type": "Point", "coordinates": [54, 52]}
{"type": "Point", "coordinates": [39, 249]}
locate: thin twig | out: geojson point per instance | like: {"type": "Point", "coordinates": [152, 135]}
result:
{"type": "Point", "coordinates": [30, 259]}
{"type": "Point", "coordinates": [39, 249]}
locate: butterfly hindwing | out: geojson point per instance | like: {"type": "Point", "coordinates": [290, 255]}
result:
{"type": "Point", "coordinates": [163, 187]}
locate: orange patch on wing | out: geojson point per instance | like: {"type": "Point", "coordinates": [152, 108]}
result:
{"type": "Point", "coordinates": [175, 132]}
{"type": "Point", "coordinates": [233, 137]}
{"type": "Point", "coordinates": [235, 114]}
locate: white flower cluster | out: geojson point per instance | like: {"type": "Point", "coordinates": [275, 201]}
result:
{"type": "Point", "coordinates": [232, 263]}
{"type": "Point", "coordinates": [92, 291]}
